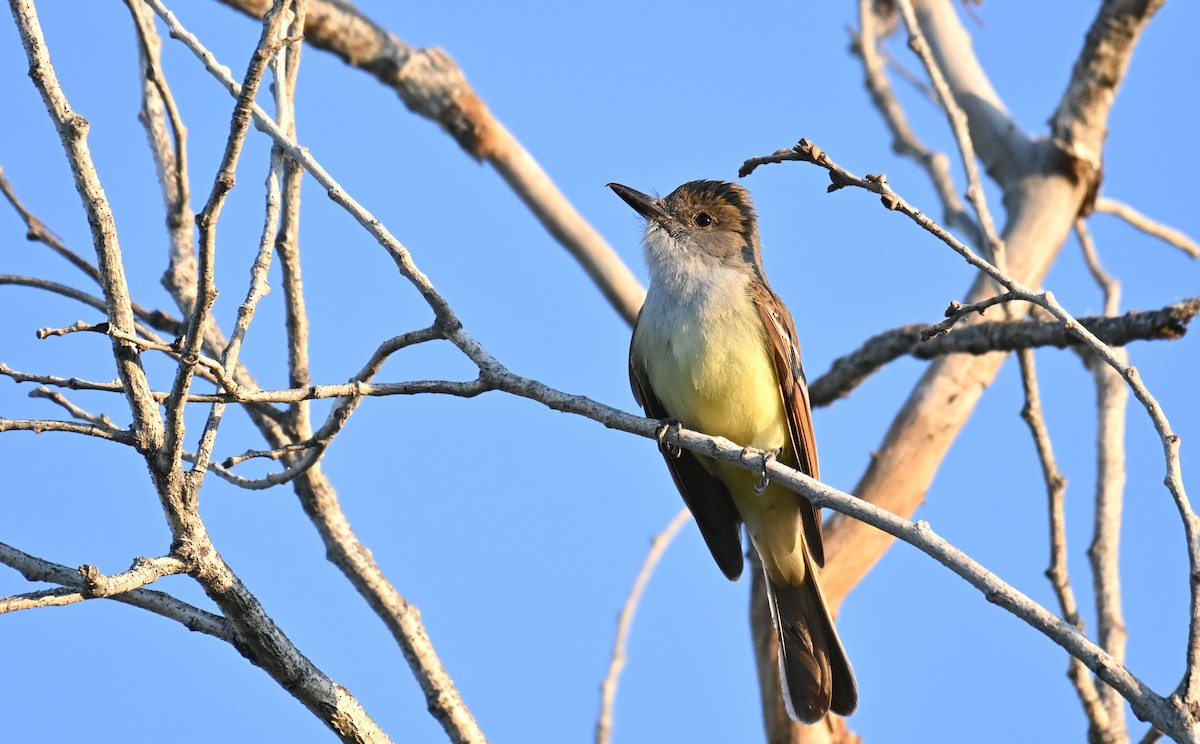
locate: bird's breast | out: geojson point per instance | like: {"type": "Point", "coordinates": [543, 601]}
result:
{"type": "Point", "coordinates": [706, 359]}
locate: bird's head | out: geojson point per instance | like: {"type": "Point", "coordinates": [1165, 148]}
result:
{"type": "Point", "coordinates": [705, 220]}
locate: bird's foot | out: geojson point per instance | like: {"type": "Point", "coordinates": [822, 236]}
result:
{"type": "Point", "coordinates": [669, 429]}
{"type": "Point", "coordinates": [764, 479]}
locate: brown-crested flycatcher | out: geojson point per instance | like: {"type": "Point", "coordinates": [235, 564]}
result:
{"type": "Point", "coordinates": [715, 349]}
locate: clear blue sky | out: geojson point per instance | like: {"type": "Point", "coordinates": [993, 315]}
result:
{"type": "Point", "coordinates": [518, 531]}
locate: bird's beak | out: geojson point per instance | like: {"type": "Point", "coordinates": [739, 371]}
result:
{"type": "Point", "coordinates": [646, 206]}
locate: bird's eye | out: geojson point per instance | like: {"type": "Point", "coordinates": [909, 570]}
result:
{"type": "Point", "coordinates": [702, 219]}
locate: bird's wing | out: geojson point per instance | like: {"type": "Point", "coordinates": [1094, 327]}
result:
{"type": "Point", "coordinates": [704, 494]}
{"type": "Point", "coordinates": [785, 351]}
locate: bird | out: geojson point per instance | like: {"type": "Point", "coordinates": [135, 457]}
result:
{"type": "Point", "coordinates": [714, 350]}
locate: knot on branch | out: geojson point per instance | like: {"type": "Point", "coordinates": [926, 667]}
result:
{"type": "Point", "coordinates": [809, 152]}
{"type": "Point", "coordinates": [1075, 163]}
{"type": "Point", "coordinates": [77, 125]}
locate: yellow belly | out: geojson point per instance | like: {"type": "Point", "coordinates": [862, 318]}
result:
{"type": "Point", "coordinates": [723, 383]}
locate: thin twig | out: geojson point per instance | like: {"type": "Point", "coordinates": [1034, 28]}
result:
{"type": "Point", "coordinates": [1152, 736]}
{"type": "Point", "coordinates": [206, 221]}
{"type": "Point", "coordinates": [41, 426]}
{"type": "Point", "coordinates": [215, 369]}
{"type": "Point", "coordinates": [262, 261]}
{"type": "Point", "coordinates": [960, 127]}
{"type": "Point", "coordinates": [1170, 235]}
{"type": "Point", "coordinates": [35, 229]}
{"type": "Point", "coordinates": [167, 137]}
{"type": "Point", "coordinates": [1112, 398]}
{"type": "Point", "coordinates": [287, 242]}
{"type": "Point", "coordinates": [317, 495]}
{"type": "Point", "coordinates": [76, 412]}
{"type": "Point", "coordinates": [340, 414]}
{"type": "Point", "coordinates": [844, 375]}
{"type": "Point", "coordinates": [467, 389]}
{"type": "Point", "coordinates": [1056, 486]}
{"type": "Point", "coordinates": [160, 603]}
{"type": "Point", "coordinates": [957, 311]}
{"type": "Point", "coordinates": [608, 690]}
{"type": "Point", "coordinates": [432, 85]}
{"type": "Point", "coordinates": [274, 454]}
{"type": "Point", "coordinates": [72, 130]}
{"type": "Point", "coordinates": [905, 141]}
{"type": "Point", "coordinates": [1108, 284]}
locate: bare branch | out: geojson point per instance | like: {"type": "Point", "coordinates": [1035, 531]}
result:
{"type": "Point", "coordinates": [1080, 124]}
{"type": "Point", "coordinates": [155, 319]}
{"type": "Point", "coordinates": [214, 368]}
{"type": "Point", "coordinates": [1056, 485]}
{"type": "Point", "coordinates": [76, 412]}
{"type": "Point", "coordinates": [37, 230]}
{"type": "Point", "coordinates": [1108, 285]}
{"type": "Point", "coordinates": [431, 84]}
{"type": "Point", "coordinates": [274, 454]}
{"type": "Point", "coordinates": [957, 311]}
{"type": "Point", "coordinates": [905, 141]}
{"type": "Point", "coordinates": [1174, 478]}
{"type": "Point", "coordinates": [72, 130]}
{"type": "Point", "coordinates": [42, 598]}
{"type": "Point", "coordinates": [143, 571]}
{"type": "Point", "coordinates": [206, 292]}
{"type": "Point", "coordinates": [320, 500]}
{"type": "Point", "coordinates": [608, 690]}
{"type": "Point", "coordinates": [287, 242]}
{"type": "Point", "coordinates": [468, 389]}
{"type": "Point", "coordinates": [160, 603]}
{"type": "Point", "coordinates": [1004, 149]}
{"type": "Point", "coordinates": [70, 383]}
{"type": "Point", "coordinates": [167, 137]}
{"type": "Point", "coordinates": [1112, 398]}
{"type": "Point", "coordinates": [1145, 702]}
{"type": "Point", "coordinates": [849, 371]}
{"type": "Point", "coordinates": [316, 445]}
{"type": "Point", "coordinates": [1151, 227]}
{"type": "Point", "coordinates": [41, 426]}
{"type": "Point", "coordinates": [961, 128]}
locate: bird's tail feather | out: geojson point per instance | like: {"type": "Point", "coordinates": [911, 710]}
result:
{"type": "Point", "coordinates": [816, 674]}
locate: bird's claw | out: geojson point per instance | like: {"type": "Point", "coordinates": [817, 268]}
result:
{"type": "Point", "coordinates": [668, 429]}
{"type": "Point", "coordinates": [764, 479]}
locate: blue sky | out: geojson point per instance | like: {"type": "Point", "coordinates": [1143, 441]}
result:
{"type": "Point", "coordinates": [517, 531]}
